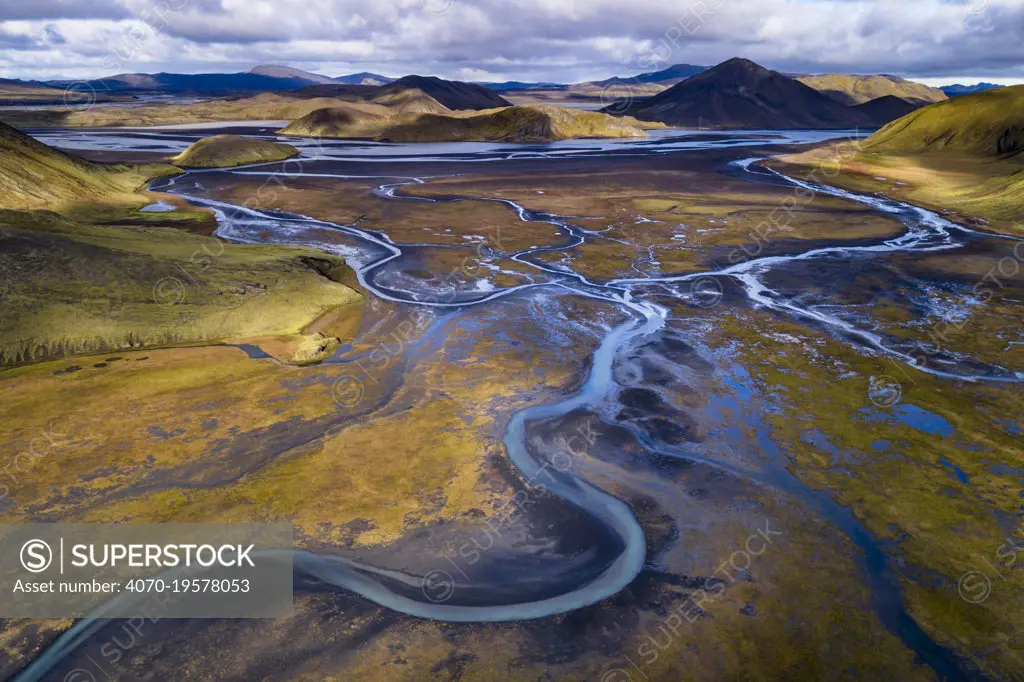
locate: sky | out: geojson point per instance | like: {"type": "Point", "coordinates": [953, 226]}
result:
{"type": "Point", "coordinates": [934, 41]}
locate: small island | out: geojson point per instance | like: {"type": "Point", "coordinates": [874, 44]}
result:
{"type": "Point", "coordinates": [226, 151]}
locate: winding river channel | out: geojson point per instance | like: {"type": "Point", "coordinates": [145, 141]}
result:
{"type": "Point", "coordinates": [636, 297]}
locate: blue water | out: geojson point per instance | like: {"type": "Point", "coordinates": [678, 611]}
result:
{"type": "Point", "coordinates": [914, 417]}
{"type": "Point", "coordinates": [956, 470]}
{"type": "Point", "coordinates": [923, 420]}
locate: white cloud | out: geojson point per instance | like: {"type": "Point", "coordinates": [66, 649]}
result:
{"type": "Point", "coordinates": [515, 39]}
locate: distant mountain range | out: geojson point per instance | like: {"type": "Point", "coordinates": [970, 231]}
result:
{"type": "Point", "coordinates": [957, 89]}
{"type": "Point", "coordinates": [851, 90]}
{"type": "Point", "coordinates": [625, 91]}
{"type": "Point", "coordinates": [182, 83]}
{"type": "Point", "coordinates": [506, 86]}
{"type": "Point", "coordinates": [287, 72]}
{"type": "Point", "coordinates": [735, 94]}
{"type": "Point", "coordinates": [641, 85]}
{"type": "Point", "coordinates": [16, 92]}
{"type": "Point", "coordinates": [265, 78]}
{"type": "Point", "coordinates": [667, 77]}
{"type": "Point", "coordinates": [405, 96]}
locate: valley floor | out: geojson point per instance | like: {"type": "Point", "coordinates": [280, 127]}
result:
{"type": "Point", "coordinates": [809, 500]}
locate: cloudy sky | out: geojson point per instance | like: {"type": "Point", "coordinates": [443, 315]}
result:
{"type": "Point", "coordinates": [938, 41]}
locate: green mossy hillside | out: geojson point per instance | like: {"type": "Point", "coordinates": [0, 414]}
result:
{"type": "Point", "coordinates": [962, 157]}
{"type": "Point", "coordinates": [70, 288]}
{"type": "Point", "coordinates": [36, 176]}
{"type": "Point", "coordinates": [989, 123]}
{"type": "Point", "coordinates": [83, 270]}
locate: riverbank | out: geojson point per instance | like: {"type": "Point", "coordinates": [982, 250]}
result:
{"type": "Point", "coordinates": [980, 192]}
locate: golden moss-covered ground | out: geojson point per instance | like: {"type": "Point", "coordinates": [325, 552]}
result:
{"type": "Point", "coordinates": [207, 433]}
{"type": "Point", "coordinates": [172, 416]}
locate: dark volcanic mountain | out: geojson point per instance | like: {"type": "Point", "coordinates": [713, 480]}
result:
{"type": "Point", "coordinates": [452, 94]}
{"type": "Point", "coordinates": [883, 110]}
{"type": "Point", "coordinates": [741, 94]}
